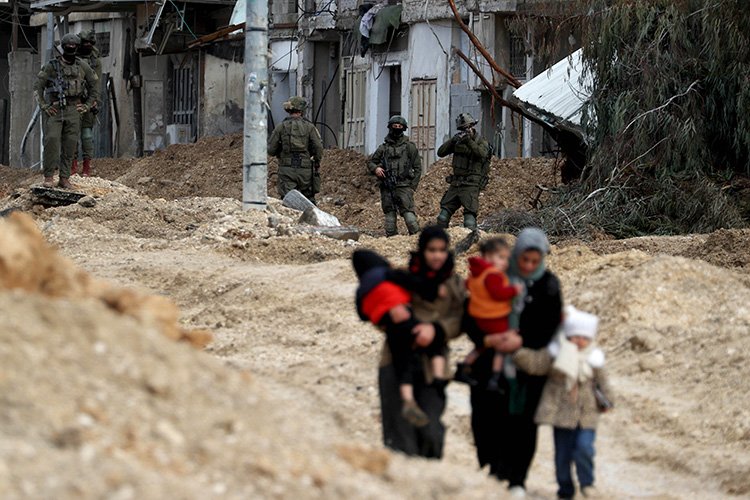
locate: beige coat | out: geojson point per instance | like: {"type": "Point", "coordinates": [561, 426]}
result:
{"type": "Point", "coordinates": [559, 407]}
{"type": "Point", "coordinates": [446, 311]}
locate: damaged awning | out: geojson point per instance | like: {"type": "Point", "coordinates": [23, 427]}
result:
{"type": "Point", "coordinates": [376, 22]}
{"type": "Point", "coordinates": [557, 96]}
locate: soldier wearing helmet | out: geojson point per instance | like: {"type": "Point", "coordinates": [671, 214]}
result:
{"type": "Point", "coordinates": [297, 144]}
{"type": "Point", "coordinates": [90, 54]}
{"type": "Point", "coordinates": [65, 89]}
{"type": "Point", "coordinates": [470, 154]}
{"type": "Point", "coordinates": [398, 168]}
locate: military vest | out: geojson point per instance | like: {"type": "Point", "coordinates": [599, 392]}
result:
{"type": "Point", "coordinates": [465, 162]}
{"type": "Point", "coordinates": [396, 158]}
{"type": "Point", "coordinates": [73, 77]}
{"type": "Point", "coordinates": [295, 138]}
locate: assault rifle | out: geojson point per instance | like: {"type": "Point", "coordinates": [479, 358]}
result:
{"type": "Point", "coordinates": [389, 181]}
{"type": "Point", "coordinates": [58, 86]}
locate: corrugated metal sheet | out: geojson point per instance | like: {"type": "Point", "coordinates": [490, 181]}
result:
{"type": "Point", "coordinates": [557, 95]}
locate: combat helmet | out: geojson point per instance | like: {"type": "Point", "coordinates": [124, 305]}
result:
{"type": "Point", "coordinates": [464, 121]}
{"type": "Point", "coordinates": [397, 119]}
{"type": "Point", "coordinates": [70, 39]}
{"type": "Point", "coordinates": [88, 36]}
{"type": "Point", "coordinates": [295, 104]}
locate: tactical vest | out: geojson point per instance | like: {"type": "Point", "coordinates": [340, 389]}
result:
{"type": "Point", "coordinates": [464, 161]}
{"type": "Point", "coordinates": [73, 75]}
{"type": "Point", "coordinates": [295, 137]}
{"type": "Point", "coordinates": [396, 158]}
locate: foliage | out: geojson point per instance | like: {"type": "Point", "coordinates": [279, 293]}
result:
{"type": "Point", "coordinates": [668, 119]}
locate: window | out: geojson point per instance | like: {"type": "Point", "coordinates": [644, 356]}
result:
{"type": "Point", "coordinates": [102, 43]}
{"type": "Point", "coordinates": [517, 57]}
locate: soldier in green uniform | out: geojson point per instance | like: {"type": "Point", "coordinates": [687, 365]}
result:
{"type": "Point", "coordinates": [397, 165]}
{"type": "Point", "coordinates": [470, 161]}
{"type": "Point", "coordinates": [90, 54]}
{"type": "Point", "coordinates": [297, 144]}
{"type": "Point", "coordinates": [65, 88]}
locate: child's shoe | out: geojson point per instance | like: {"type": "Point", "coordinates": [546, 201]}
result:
{"type": "Point", "coordinates": [494, 384]}
{"type": "Point", "coordinates": [462, 375]}
{"type": "Point", "coordinates": [414, 414]}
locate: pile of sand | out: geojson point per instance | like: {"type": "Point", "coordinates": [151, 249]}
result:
{"type": "Point", "coordinates": [676, 329]}
{"type": "Point", "coordinates": [99, 402]}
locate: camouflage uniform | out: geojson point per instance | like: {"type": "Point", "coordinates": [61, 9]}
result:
{"type": "Point", "coordinates": [470, 154]}
{"type": "Point", "coordinates": [297, 144]}
{"type": "Point", "coordinates": [89, 119]}
{"type": "Point", "coordinates": [62, 117]}
{"type": "Point", "coordinates": [399, 157]}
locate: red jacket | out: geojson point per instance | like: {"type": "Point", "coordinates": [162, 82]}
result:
{"type": "Point", "coordinates": [382, 299]}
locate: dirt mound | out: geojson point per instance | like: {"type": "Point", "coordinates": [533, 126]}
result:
{"type": "Point", "coordinates": [212, 168]}
{"type": "Point", "coordinates": [670, 322]}
{"type": "Point", "coordinates": [99, 403]}
{"type": "Point", "coordinates": [12, 178]}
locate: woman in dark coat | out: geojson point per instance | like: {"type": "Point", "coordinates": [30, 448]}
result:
{"type": "Point", "coordinates": [503, 423]}
{"type": "Point", "coordinates": [432, 262]}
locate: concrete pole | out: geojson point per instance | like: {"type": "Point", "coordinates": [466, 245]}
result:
{"type": "Point", "coordinates": [254, 167]}
{"type": "Point", "coordinates": [527, 139]}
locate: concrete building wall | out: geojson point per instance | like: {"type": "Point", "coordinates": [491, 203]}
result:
{"type": "Point", "coordinates": [223, 96]}
{"type": "Point", "coordinates": [24, 66]}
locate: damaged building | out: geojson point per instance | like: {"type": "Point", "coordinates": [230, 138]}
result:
{"type": "Point", "coordinates": [174, 71]}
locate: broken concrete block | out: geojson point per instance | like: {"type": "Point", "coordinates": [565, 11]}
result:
{"type": "Point", "coordinates": [87, 201]}
{"type": "Point", "coordinates": [296, 200]}
{"type": "Point", "coordinates": [317, 217]}
{"type": "Point", "coordinates": [342, 233]}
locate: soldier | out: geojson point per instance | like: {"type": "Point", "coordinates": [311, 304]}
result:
{"type": "Point", "coordinates": [90, 54]}
{"type": "Point", "coordinates": [397, 165]}
{"type": "Point", "coordinates": [65, 88]}
{"type": "Point", "coordinates": [471, 153]}
{"type": "Point", "coordinates": [297, 144]}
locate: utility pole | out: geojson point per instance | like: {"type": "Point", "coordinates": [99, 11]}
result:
{"type": "Point", "coordinates": [254, 153]}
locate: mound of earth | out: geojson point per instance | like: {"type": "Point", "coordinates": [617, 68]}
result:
{"type": "Point", "coordinates": [669, 322]}
{"type": "Point", "coordinates": [212, 168]}
{"type": "Point", "coordinates": [98, 402]}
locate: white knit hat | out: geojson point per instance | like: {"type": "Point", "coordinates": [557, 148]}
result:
{"type": "Point", "coordinates": [579, 323]}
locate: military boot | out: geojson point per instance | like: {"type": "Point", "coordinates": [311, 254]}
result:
{"type": "Point", "coordinates": [390, 224]}
{"type": "Point", "coordinates": [87, 167]}
{"type": "Point", "coordinates": [64, 183]}
{"type": "Point", "coordinates": [470, 221]}
{"type": "Point", "coordinates": [49, 182]}
{"type": "Point", "coordinates": [412, 225]}
{"type": "Point", "coordinates": [443, 219]}
{"type": "Point", "coordinates": [74, 167]}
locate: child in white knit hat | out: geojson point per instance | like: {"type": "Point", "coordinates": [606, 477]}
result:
{"type": "Point", "coordinates": [575, 394]}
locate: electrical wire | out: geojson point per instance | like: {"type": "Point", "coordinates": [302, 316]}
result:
{"type": "Point", "coordinates": [179, 12]}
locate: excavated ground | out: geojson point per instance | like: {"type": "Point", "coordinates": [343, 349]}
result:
{"type": "Point", "coordinates": [283, 402]}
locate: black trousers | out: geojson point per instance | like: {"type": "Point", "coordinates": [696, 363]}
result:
{"type": "Point", "coordinates": [505, 442]}
{"type": "Point", "coordinates": [406, 357]}
{"type": "Point", "coordinates": [400, 435]}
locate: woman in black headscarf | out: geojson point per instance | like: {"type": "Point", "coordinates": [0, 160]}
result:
{"type": "Point", "coordinates": [432, 267]}
{"type": "Point", "coordinates": [503, 423]}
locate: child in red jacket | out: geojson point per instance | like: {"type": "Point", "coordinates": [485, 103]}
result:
{"type": "Point", "coordinates": [384, 298]}
{"type": "Point", "coordinates": [490, 304]}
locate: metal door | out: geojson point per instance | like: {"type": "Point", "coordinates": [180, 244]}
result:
{"type": "Point", "coordinates": [355, 82]}
{"type": "Point", "coordinates": [422, 119]}
{"type": "Point", "coordinates": [184, 93]}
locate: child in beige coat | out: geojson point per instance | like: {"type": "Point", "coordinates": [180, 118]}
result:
{"type": "Point", "coordinates": [575, 394]}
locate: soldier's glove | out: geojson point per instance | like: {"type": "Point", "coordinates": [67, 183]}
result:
{"type": "Point", "coordinates": [50, 110]}
{"type": "Point", "coordinates": [94, 108]}
{"type": "Point", "coordinates": [82, 108]}
{"type": "Point", "coordinates": [460, 137]}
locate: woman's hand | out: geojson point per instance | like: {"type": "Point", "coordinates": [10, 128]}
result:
{"type": "Point", "coordinates": [506, 342]}
{"type": "Point", "coordinates": [425, 334]}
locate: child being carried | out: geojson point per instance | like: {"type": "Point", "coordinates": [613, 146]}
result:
{"type": "Point", "coordinates": [384, 299]}
{"type": "Point", "coordinates": [491, 305]}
